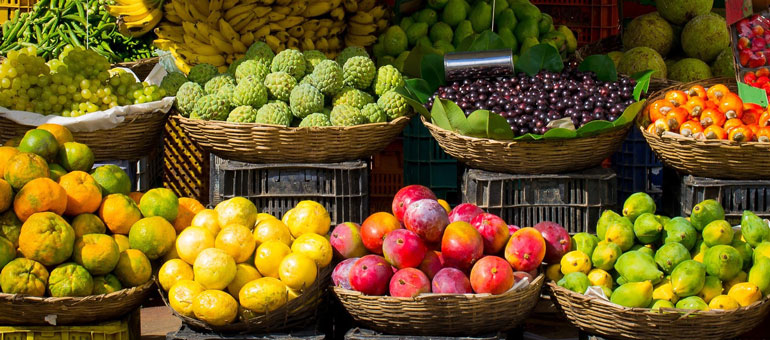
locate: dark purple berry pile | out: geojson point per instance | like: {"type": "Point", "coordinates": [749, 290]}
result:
{"type": "Point", "coordinates": [530, 103]}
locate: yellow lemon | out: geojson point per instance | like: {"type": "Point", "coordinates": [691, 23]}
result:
{"type": "Point", "coordinates": [307, 217]}
{"type": "Point", "coordinates": [237, 210]}
{"type": "Point", "coordinates": [723, 302]}
{"type": "Point", "coordinates": [314, 246]}
{"type": "Point", "coordinates": [297, 271]}
{"type": "Point", "coordinates": [181, 296]}
{"type": "Point", "coordinates": [237, 241]}
{"type": "Point", "coordinates": [263, 295]}
{"type": "Point", "coordinates": [215, 307]}
{"type": "Point", "coordinates": [271, 229]}
{"type": "Point", "coordinates": [444, 204]}
{"type": "Point", "coordinates": [575, 261]}
{"type": "Point", "coordinates": [745, 293]}
{"type": "Point", "coordinates": [192, 241]}
{"type": "Point", "coordinates": [214, 268]}
{"type": "Point", "coordinates": [206, 218]}
{"type": "Point", "coordinates": [122, 241]}
{"type": "Point", "coordinates": [553, 272]}
{"type": "Point", "coordinates": [599, 277]}
{"type": "Point", "coordinates": [244, 273]}
{"type": "Point", "coordinates": [269, 256]}
{"type": "Point", "coordinates": [172, 272]}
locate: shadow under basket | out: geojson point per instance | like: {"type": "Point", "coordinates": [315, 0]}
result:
{"type": "Point", "coordinates": [30, 310]}
{"type": "Point", "coordinates": [296, 314]}
{"type": "Point", "coordinates": [263, 143]}
{"type": "Point", "coordinates": [603, 318]}
{"type": "Point", "coordinates": [545, 156]}
{"type": "Point", "coordinates": [442, 314]}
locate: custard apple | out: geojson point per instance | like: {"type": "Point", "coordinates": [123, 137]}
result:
{"type": "Point", "coordinates": [202, 73]}
{"type": "Point", "coordinates": [279, 85]}
{"type": "Point", "coordinates": [250, 91]}
{"type": "Point", "coordinates": [186, 97]}
{"type": "Point", "coordinates": [211, 107]}
{"type": "Point", "coordinates": [358, 72]}
{"type": "Point", "coordinates": [349, 52]}
{"type": "Point", "coordinates": [289, 61]}
{"type": "Point", "coordinates": [315, 119]}
{"type": "Point", "coordinates": [374, 113]}
{"type": "Point", "coordinates": [387, 78]}
{"type": "Point", "coordinates": [172, 81]}
{"type": "Point", "coordinates": [213, 85]}
{"type": "Point", "coordinates": [227, 91]}
{"type": "Point", "coordinates": [346, 115]}
{"type": "Point", "coordinates": [251, 68]}
{"type": "Point", "coordinates": [234, 66]}
{"type": "Point", "coordinates": [327, 77]}
{"type": "Point", "coordinates": [242, 114]}
{"type": "Point", "coordinates": [312, 58]}
{"type": "Point", "coordinates": [307, 79]}
{"type": "Point", "coordinates": [276, 113]}
{"type": "Point", "coordinates": [352, 97]}
{"type": "Point", "coordinates": [261, 52]}
{"type": "Point", "coordinates": [393, 104]}
{"type": "Point", "coordinates": [305, 99]}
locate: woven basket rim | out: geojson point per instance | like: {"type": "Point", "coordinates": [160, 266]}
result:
{"type": "Point", "coordinates": [248, 126]}
{"type": "Point", "coordinates": [72, 300]}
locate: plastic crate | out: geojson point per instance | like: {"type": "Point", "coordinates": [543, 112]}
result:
{"type": "Point", "coordinates": [127, 328]}
{"type": "Point", "coordinates": [343, 188]}
{"type": "Point", "coordinates": [8, 6]}
{"type": "Point", "coordinates": [592, 20]}
{"type": "Point", "coordinates": [185, 164]}
{"type": "Point", "coordinates": [185, 333]}
{"type": "Point", "coordinates": [638, 169]}
{"type": "Point", "coordinates": [574, 200]}
{"type": "Point", "coordinates": [425, 163]}
{"type": "Point", "coordinates": [366, 334]}
{"type": "Point", "coordinates": [386, 176]}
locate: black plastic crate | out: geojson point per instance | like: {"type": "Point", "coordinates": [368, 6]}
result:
{"type": "Point", "coordinates": [574, 200]}
{"type": "Point", "coordinates": [638, 169]}
{"type": "Point", "coordinates": [185, 333]}
{"type": "Point", "coordinates": [343, 188]}
{"type": "Point", "coordinates": [366, 334]}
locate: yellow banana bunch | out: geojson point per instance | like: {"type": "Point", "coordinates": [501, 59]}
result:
{"type": "Point", "coordinates": [365, 24]}
{"type": "Point", "coordinates": [137, 17]}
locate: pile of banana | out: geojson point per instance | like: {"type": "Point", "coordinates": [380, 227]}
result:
{"type": "Point", "coordinates": [366, 19]}
{"type": "Point", "coordinates": [136, 17]}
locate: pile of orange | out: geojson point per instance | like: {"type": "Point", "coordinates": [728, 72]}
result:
{"type": "Point", "coordinates": [713, 113]}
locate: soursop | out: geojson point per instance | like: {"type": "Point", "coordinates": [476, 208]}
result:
{"type": "Point", "coordinates": [689, 69]}
{"type": "Point", "coordinates": [394, 104]}
{"type": "Point", "coordinates": [353, 97]}
{"type": "Point", "coordinates": [289, 61]}
{"type": "Point", "coordinates": [358, 72]}
{"type": "Point", "coordinates": [649, 30]}
{"type": "Point", "coordinates": [202, 73]}
{"type": "Point", "coordinates": [640, 59]}
{"type": "Point", "coordinates": [276, 113]}
{"type": "Point", "coordinates": [242, 114]}
{"type": "Point", "coordinates": [315, 119]}
{"type": "Point", "coordinates": [387, 78]}
{"type": "Point", "coordinates": [211, 107]}
{"type": "Point", "coordinates": [346, 115]}
{"type": "Point", "coordinates": [705, 36]}
{"type": "Point", "coordinates": [279, 85]}
{"type": "Point", "coordinates": [261, 52]}
{"type": "Point", "coordinates": [327, 77]}
{"type": "Point", "coordinates": [214, 84]}
{"type": "Point", "coordinates": [350, 52]}
{"type": "Point", "coordinates": [313, 58]}
{"type": "Point", "coordinates": [374, 113]}
{"type": "Point", "coordinates": [250, 91]}
{"type": "Point", "coordinates": [186, 97]}
{"type": "Point", "coordinates": [172, 81]}
{"type": "Point", "coordinates": [251, 68]}
{"type": "Point", "coordinates": [305, 99]}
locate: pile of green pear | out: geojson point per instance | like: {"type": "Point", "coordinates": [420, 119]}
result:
{"type": "Point", "coordinates": [642, 260]}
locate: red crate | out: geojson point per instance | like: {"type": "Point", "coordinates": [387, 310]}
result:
{"type": "Point", "coordinates": [633, 9]}
{"type": "Point", "coordinates": [592, 20]}
{"type": "Point", "coordinates": [386, 177]}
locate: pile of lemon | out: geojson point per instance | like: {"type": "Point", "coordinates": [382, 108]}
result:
{"type": "Point", "coordinates": [233, 262]}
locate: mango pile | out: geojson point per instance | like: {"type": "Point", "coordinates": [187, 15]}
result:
{"type": "Point", "coordinates": [642, 260]}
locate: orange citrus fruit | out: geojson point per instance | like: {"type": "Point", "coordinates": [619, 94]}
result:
{"type": "Point", "coordinates": [237, 241]}
{"type": "Point", "coordinates": [214, 268]}
{"type": "Point", "coordinates": [6, 152]}
{"type": "Point", "coordinates": [87, 224]}
{"type": "Point", "coordinates": [271, 229]}
{"type": "Point", "coordinates": [25, 277]}
{"type": "Point", "coordinates": [182, 294]}
{"type": "Point", "coordinates": [263, 295]}
{"type": "Point", "coordinates": [133, 268]}
{"type": "Point", "coordinates": [154, 236]}
{"type": "Point", "coordinates": [39, 195]}
{"type": "Point", "coordinates": [60, 133]}
{"type": "Point", "coordinates": [6, 195]}
{"type": "Point", "coordinates": [237, 210]}
{"type": "Point", "coordinates": [269, 256]}
{"type": "Point", "coordinates": [24, 167]}
{"type": "Point", "coordinates": [188, 208]}
{"type": "Point", "coordinates": [46, 238]}
{"type": "Point", "coordinates": [207, 218]}
{"type": "Point", "coordinates": [112, 179]}
{"type": "Point", "coordinates": [119, 213]}
{"type": "Point", "coordinates": [160, 202]}
{"type": "Point", "coordinates": [83, 194]}
{"type": "Point", "coordinates": [173, 271]}
{"type": "Point", "coordinates": [40, 142]}
{"type": "Point", "coordinates": [215, 307]}
{"type": "Point", "coordinates": [75, 156]}
{"type": "Point", "coordinates": [297, 271]}
{"type": "Point", "coordinates": [244, 274]}
{"type": "Point", "coordinates": [98, 253]}
{"type": "Point", "coordinates": [192, 241]}
{"type": "Point", "coordinates": [307, 217]}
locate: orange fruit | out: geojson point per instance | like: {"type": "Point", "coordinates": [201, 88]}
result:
{"type": "Point", "coordinates": [136, 196]}
{"type": "Point", "coordinates": [83, 194]}
{"type": "Point", "coordinates": [263, 295]}
{"type": "Point", "coordinates": [133, 268]}
{"type": "Point", "coordinates": [173, 271]}
{"type": "Point", "coordinates": [39, 142]}
{"type": "Point", "coordinates": [192, 241]}
{"type": "Point", "coordinates": [112, 179]}
{"type": "Point", "coordinates": [237, 210]}
{"type": "Point", "coordinates": [297, 271]}
{"type": "Point", "coordinates": [181, 296]}
{"type": "Point", "coordinates": [46, 238]}
{"type": "Point", "coordinates": [87, 224]}
{"type": "Point", "coordinates": [6, 195]}
{"type": "Point", "coordinates": [215, 307]}
{"type": "Point", "coordinates": [121, 241]}
{"type": "Point", "coordinates": [76, 156]}
{"type": "Point", "coordinates": [315, 247]}
{"type": "Point", "coordinates": [214, 269]}
{"type": "Point", "coordinates": [25, 277]}
{"type": "Point", "coordinates": [119, 213]}
{"type": "Point", "coordinates": [24, 167]}
{"type": "Point", "coordinates": [70, 279]}
{"type": "Point", "coordinates": [269, 256]}
{"type": "Point", "coordinates": [271, 229]}
{"type": "Point", "coordinates": [56, 171]}
{"type": "Point", "coordinates": [237, 241]}
{"type": "Point", "coordinates": [10, 227]}
{"type": "Point", "coordinates": [307, 217]}
{"type": "Point", "coordinates": [98, 253]}
{"type": "Point", "coordinates": [106, 284]}
{"type": "Point", "coordinates": [40, 194]}
{"type": "Point", "coordinates": [7, 252]}
{"type": "Point", "coordinates": [154, 236]}
{"type": "Point", "coordinates": [60, 133]}
{"type": "Point", "coordinates": [159, 202]}
{"type": "Point", "coordinates": [6, 152]}
{"type": "Point", "coordinates": [188, 207]}
{"type": "Point", "coordinates": [244, 274]}
{"type": "Point", "coordinates": [207, 218]}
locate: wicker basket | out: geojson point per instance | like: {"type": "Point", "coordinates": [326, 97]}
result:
{"type": "Point", "coordinates": [296, 314]}
{"type": "Point", "coordinates": [708, 158]}
{"type": "Point", "coordinates": [141, 67]}
{"type": "Point", "coordinates": [613, 43]}
{"type": "Point", "coordinates": [545, 156]}
{"type": "Point", "coordinates": [134, 138]}
{"type": "Point", "coordinates": [442, 314]}
{"type": "Point", "coordinates": [260, 143]}
{"type": "Point", "coordinates": [603, 318]}
{"type": "Point", "coordinates": [29, 310]}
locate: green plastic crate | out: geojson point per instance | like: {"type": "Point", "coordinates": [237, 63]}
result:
{"type": "Point", "coordinates": [425, 163]}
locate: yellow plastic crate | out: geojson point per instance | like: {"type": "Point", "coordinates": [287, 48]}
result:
{"type": "Point", "coordinates": [111, 330]}
{"type": "Point", "coordinates": [8, 6]}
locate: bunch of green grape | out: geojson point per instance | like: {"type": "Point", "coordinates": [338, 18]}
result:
{"type": "Point", "coordinates": [78, 82]}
